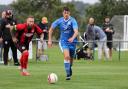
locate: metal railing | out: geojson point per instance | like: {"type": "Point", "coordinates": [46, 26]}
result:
{"type": "Point", "coordinates": [118, 46]}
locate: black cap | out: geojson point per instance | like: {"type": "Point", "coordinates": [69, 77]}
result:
{"type": "Point", "coordinates": [8, 12]}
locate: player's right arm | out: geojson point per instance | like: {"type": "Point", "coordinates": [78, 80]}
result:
{"type": "Point", "coordinates": [14, 29]}
{"type": "Point", "coordinates": [53, 26]}
{"type": "Point", "coordinates": [50, 37]}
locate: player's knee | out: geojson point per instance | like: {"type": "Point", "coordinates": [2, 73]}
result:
{"type": "Point", "coordinates": [25, 53]}
{"type": "Point", "coordinates": [67, 58]}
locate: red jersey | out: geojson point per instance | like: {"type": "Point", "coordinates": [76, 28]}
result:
{"type": "Point", "coordinates": [24, 35]}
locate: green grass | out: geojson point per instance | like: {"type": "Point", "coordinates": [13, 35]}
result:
{"type": "Point", "coordinates": [86, 74]}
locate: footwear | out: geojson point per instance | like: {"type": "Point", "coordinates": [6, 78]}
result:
{"type": "Point", "coordinates": [16, 64]}
{"type": "Point", "coordinates": [68, 78]}
{"type": "Point", "coordinates": [25, 73]}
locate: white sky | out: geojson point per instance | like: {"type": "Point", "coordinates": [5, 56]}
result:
{"type": "Point", "coordinates": [85, 1]}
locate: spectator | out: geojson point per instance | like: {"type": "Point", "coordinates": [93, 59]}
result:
{"type": "Point", "coordinates": [1, 40]}
{"type": "Point", "coordinates": [93, 31]}
{"type": "Point", "coordinates": [44, 27]}
{"type": "Point", "coordinates": [108, 29]}
{"type": "Point", "coordinates": [7, 38]}
{"type": "Point", "coordinates": [90, 35]}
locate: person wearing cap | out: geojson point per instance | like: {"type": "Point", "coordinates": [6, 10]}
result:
{"type": "Point", "coordinates": [7, 37]}
{"type": "Point", "coordinates": [109, 31]}
{"type": "Point", "coordinates": [43, 24]}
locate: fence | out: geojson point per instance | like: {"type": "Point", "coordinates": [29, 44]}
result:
{"type": "Point", "coordinates": [118, 53]}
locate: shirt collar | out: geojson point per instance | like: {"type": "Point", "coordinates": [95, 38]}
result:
{"type": "Point", "coordinates": [67, 19]}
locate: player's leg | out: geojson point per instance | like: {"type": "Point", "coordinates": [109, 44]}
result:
{"type": "Point", "coordinates": [24, 63]}
{"type": "Point", "coordinates": [67, 63]}
{"type": "Point", "coordinates": [64, 48]}
{"type": "Point", "coordinates": [72, 52]}
{"type": "Point", "coordinates": [24, 59]}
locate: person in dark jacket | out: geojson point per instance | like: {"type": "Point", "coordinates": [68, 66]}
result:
{"type": "Point", "coordinates": [108, 29]}
{"type": "Point", "coordinates": [43, 24]}
{"type": "Point", "coordinates": [3, 14]}
{"type": "Point", "coordinates": [7, 38]}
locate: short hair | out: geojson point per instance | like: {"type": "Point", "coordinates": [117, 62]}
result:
{"type": "Point", "coordinates": [45, 18]}
{"type": "Point", "coordinates": [107, 17]}
{"type": "Point", "coordinates": [30, 16]}
{"type": "Point", "coordinates": [66, 9]}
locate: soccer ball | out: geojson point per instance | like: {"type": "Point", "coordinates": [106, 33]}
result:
{"type": "Point", "coordinates": [52, 78]}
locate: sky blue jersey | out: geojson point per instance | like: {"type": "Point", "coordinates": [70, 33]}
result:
{"type": "Point", "coordinates": [66, 28]}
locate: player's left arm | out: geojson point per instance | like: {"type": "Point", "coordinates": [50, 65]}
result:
{"type": "Point", "coordinates": [74, 36]}
{"type": "Point", "coordinates": [112, 29]}
{"type": "Point", "coordinates": [75, 29]}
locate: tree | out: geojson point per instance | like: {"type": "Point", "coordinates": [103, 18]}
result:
{"type": "Point", "coordinates": [107, 8]}
{"type": "Point", "coordinates": [38, 8]}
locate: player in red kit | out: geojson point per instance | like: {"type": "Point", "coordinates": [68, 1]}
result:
{"type": "Point", "coordinates": [22, 35]}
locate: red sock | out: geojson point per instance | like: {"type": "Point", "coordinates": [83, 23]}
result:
{"type": "Point", "coordinates": [21, 61]}
{"type": "Point", "coordinates": [24, 59]}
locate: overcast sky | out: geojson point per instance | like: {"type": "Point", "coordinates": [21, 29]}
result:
{"type": "Point", "coordinates": [86, 1]}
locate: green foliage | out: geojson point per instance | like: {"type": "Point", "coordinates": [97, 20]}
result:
{"type": "Point", "coordinates": [4, 7]}
{"type": "Point", "coordinates": [39, 8]}
{"type": "Point", "coordinates": [107, 8]}
{"type": "Point", "coordinates": [86, 74]}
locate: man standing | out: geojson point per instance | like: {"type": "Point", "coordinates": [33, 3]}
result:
{"type": "Point", "coordinates": [7, 37]}
{"type": "Point", "coordinates": [108, 29]}
{"type": "Point", "coordinates": [24, 33]}
{"type": "Point", "coordinates": [1, 39]}
{"type": "Point", "coordinates": [93, 31]}
{"type": "Point", "coordinates": [44, 27]}
{"type": "Point", "coordinates": [69, 30]}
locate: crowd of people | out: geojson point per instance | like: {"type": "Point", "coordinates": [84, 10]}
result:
{"type": "Point", "coordinates": [18, 35]}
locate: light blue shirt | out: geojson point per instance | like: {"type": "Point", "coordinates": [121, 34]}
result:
{"type": "Point", "coordinates": [66, 28]}
{"type": "Point", "coordinates": [99, 31]}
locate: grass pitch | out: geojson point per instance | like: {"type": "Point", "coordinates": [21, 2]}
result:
{"type": "Point", "coordinates": [86, 74]}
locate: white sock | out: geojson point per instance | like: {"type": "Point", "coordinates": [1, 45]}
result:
{"type": "Point", "coordinates": [24, 70]}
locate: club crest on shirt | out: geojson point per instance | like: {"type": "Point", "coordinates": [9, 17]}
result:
{"type": "Point", "coordinates": [23, 47]}
{"type": "Point", "coordinates": [69, 23]}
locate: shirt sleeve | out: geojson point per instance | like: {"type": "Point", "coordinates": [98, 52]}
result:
{"type": "Point", "coordinates": [55, 24]}
{"type": "Point", "coordinates": [74, 24]}
{"type": "Point", "coordinates": [20, 27]}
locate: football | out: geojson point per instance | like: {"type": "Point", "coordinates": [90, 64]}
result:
{"type": "Point", "coordinates": [52, 78]}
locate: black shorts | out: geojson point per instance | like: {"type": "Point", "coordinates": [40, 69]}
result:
{"type": "Point", "coordinates": [109, 45]}
{"type": "Point", "coordinates": [22, 47]}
